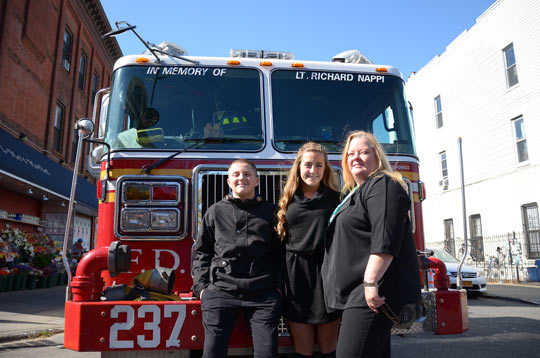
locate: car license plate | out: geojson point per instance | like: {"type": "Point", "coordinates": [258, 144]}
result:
{"type": "Point", "coordinates": [467, 283]}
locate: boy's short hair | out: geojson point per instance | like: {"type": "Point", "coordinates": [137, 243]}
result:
{"type": "Point", "coordinates": [243, 161]}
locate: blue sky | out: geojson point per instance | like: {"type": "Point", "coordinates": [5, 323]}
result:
{"type": "Point", "coordinates": [406, 34]}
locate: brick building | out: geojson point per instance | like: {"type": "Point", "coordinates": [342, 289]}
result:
{"type": "Point", "coordinates": [52, 62]}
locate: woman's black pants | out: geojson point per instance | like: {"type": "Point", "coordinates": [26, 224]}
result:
{"type": "Point", "coordinates": [363, 333]}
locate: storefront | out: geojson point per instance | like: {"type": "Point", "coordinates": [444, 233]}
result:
{"type": "Point", "coordinates": [35, 190]}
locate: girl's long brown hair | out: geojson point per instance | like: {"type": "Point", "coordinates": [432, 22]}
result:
{"type": "Point", "coordinates": [382, 167]}
{"type": "Point", "coordinates": [294, 179]}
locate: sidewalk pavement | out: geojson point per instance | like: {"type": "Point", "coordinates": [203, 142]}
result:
{"type": "Point", "coordinates": [40, 313]}
{"type": "Point", "coordinates": [31, 313]}
{"type": "Point", "coordinates": [18, 326]}
{"type": "Point", "coordinates": [525, 292]}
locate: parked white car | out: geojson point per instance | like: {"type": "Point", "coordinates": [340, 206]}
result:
{"type": "Point", "coordinates": [473, 279]}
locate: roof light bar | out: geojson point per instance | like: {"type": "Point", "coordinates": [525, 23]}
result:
{"type": "Point", "coordinates": [351, 56]}
{"type": "Point", "coordinates": [278, 55]}
{"type": "Point", "coordinates": [170, 48]}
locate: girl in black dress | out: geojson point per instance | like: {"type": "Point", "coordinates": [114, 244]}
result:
{"type": "Point", "coordinates": [309, 198]}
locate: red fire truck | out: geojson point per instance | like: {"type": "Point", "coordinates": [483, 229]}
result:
{"type": "Point", "coordinates": [166, 132]}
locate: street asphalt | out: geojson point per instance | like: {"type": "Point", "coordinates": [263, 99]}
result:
{"type": "Point", "coordinates": [40, 312]}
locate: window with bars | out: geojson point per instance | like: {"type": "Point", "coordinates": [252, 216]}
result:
{"type": "Point", "coordinates": [510, 64]}
{"type": "Point", "coordinates": [449, 239]}
{"type": "Point", "coordinates": [477, 243]}
{"type": "Point", "coordinates": [521, 140]}
{"type": "Point", "coordinates": [58, 127]}
{"type": "Point", "coordinates": [531, 225]}
{"type": "Point", "coordinates": [438, 112]}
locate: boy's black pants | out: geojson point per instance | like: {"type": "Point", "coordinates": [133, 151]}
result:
{"type": "Point", "coordinates": [220, 311]}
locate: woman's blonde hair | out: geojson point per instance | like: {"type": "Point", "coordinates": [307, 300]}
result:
{"type": "Point", "coordinates": [383, 166]}
{"type": "Point", "coordinates": [294, 179]}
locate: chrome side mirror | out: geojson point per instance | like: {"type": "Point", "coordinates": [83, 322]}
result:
{"type": "Point", "coordinates": [86, 125]}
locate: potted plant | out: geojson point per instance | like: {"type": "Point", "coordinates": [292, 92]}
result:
{"type": "Point", "coordinates": [4, 273]}
{"type": "Point", "coordinates": [31, 282]}
{"type": "Point", "coordinates": [44, 279]}
{"type": "Point", "coordinates": [7, 256]}
{"type": "Point", "coordinates": [20, 245]}
{"type": "Point", "coordinates": [23, 271]}
{"type": "Point", "coordinates": [12, 280]}
{"type": "Point", "coordinates": [3, 257]}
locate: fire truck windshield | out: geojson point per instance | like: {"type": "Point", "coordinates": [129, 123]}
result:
{"type": "Point", "coordinates": [326, 106]}
{"type": "Point", "coordinates": [171, 107]}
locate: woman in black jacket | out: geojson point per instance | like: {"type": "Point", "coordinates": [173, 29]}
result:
{"type": "Point", "coordinates": [309, 198]}
{"type": "Point", "coordinates": [370, 258]}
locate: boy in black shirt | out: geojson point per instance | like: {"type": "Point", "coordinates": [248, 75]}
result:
{"type": "Point", "coordinates": [234, 266]}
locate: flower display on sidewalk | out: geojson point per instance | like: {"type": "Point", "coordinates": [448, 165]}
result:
{"type": "Point", "coordinates": [29, 260]}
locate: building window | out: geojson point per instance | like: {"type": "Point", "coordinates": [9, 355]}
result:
{"type": "Point", "coordinates": [531, 225]}
{"type": "Point", "coordinates": [66, 50]}
{"type": "Point", "coordinates": [449, 240]}
{"type": "Point", "coordinates": [82, 71]}
{"type": "Point", "coordinates": [95, 86]}
{"type": "Point", "coordinates": [58, 128]}
{"type": "Point", "coordinates": [520, 139]}
{"type": "Point", "coordinates": [477, 243]}
{"type": "Point", "coordinates": [444, 170]}
{"type": "Point", "coordinates": [438, 112]}
{"type": "Point", "coordinates": [74, 144]}
{"type": "Point", "coordinates": [511, 68]}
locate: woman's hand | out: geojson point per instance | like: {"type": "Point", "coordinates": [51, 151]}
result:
{"type": "Point", "coordinates": [373, 299]}
{"type": "Point", "coordinates": [376, 267]}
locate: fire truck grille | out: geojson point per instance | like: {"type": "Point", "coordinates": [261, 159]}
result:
{"type": "Point", "coordinates": [213, 186]}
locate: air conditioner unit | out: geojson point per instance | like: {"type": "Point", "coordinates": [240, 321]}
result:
{"type": "Point", "coordinates": [444, 183]}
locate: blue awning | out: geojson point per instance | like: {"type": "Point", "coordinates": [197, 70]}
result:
{"type": "Point", "coordinates": [22, 162]}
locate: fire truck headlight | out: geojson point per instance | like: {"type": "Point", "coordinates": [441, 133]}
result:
{"type": "Point", "coordinates": [151, 207]}
{"type": "Point", "coordinates": [135, 219]}
{"type": "Point", "coordinates": [165, 220]}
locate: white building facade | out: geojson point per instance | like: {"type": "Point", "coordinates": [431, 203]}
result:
{"type": "Point", "coordinates": [485, 89]}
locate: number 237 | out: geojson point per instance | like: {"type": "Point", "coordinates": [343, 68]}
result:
{"type": "Point", "coordinates": [152, 326]}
